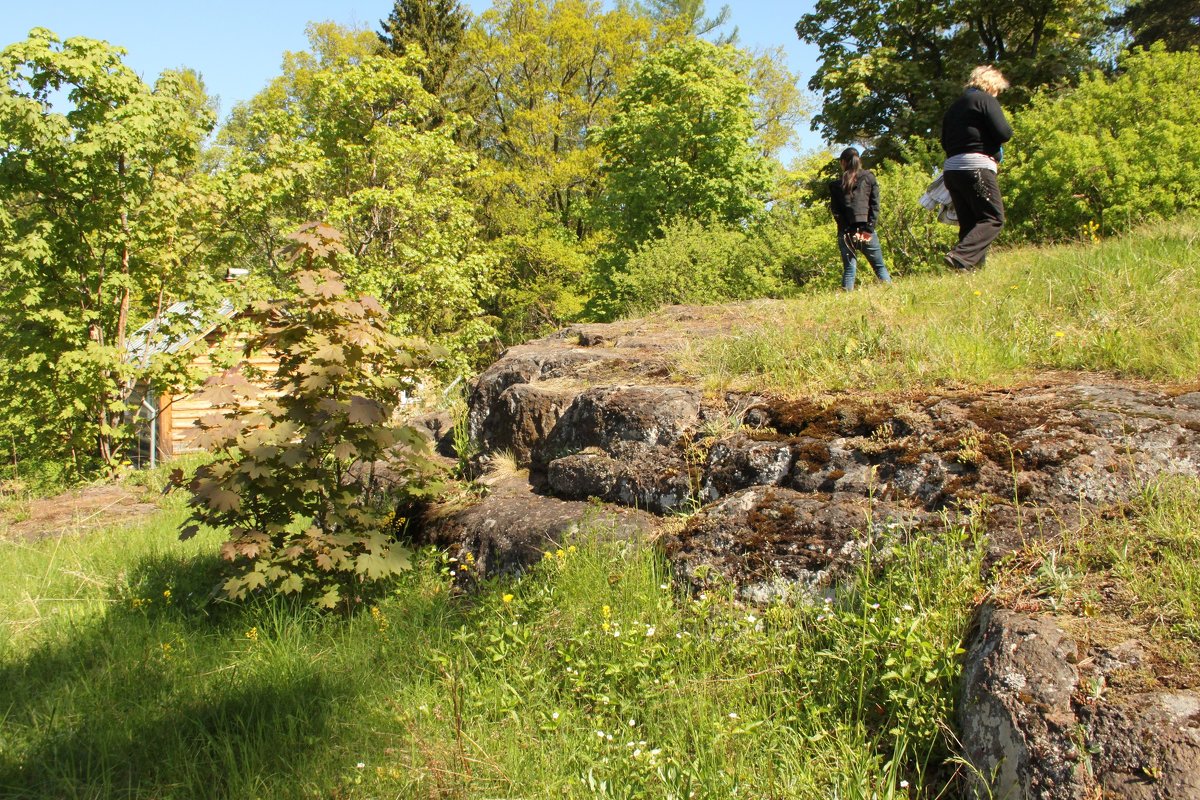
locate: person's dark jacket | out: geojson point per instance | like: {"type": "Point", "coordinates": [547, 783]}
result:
{"type": "Point", "coordinates": [975, 123]}
{"type": "Point", "coordinates": [857, 209]}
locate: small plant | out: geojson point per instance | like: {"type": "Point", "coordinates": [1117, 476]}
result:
{"type": "Point", "coordinates": [295, 474]}
{"type": "Point", "coordinates": [970, 450]}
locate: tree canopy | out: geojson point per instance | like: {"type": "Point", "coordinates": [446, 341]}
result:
{"type": "Point", "coordinates": [94, 212]}
{"type": "Point", "coordinates": [681, 143]}
{"type": "Point", "coordinates": [888, 68]}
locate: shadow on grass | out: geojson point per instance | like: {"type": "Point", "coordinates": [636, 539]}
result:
{"type": "Point", "coordinates": [165, 696]}
{"type": "Point", "coordinates": [220, 746]}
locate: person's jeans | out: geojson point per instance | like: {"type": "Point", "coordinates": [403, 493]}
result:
{"type": "Point", "coordinates": [870, 248]}
{"type": "Point", "coordinates": [976, 196]}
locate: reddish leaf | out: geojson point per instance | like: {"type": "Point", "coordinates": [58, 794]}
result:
{"type": "Point", "coordinates": [364, 411]}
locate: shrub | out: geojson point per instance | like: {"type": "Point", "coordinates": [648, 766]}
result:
{"type": "Point", "coordinates": [1110, 154]}
{"type": "Point", "coordinates": [692, 263]}
{"type": "Point", "coordinates": [913, 240]}
{"type": "Point", "coordinates": [294, 475]}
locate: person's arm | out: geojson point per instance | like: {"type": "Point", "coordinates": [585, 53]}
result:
{"type": "Point", "coordinates": [873, 205]}
{"type": "Point", "coordinates": [836, 202]}
{"type": "Point", "coordinates": [997, 121]}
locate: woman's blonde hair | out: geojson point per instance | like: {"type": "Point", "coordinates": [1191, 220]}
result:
{"type": "Point", "coordinates": [987, 78]}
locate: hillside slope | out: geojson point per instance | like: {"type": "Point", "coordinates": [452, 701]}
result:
{"type": "Point", "coordinates": [772, 443]}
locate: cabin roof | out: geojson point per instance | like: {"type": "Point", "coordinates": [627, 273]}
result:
{"type": "Point", "coordinates": [178, 326]}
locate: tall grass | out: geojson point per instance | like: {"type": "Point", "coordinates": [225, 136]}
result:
{"type": "Point", "coordinates": [590, 677]}
{"type": "Point", "coordinates": [1125, 306]}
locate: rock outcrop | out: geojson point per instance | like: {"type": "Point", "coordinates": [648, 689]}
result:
{"type": "Point", "coordinates": [784, 494]}
{"type": "Point", "coordinates": [599, 411]}
{"type": "Point", "coordinates": [1037, 722]}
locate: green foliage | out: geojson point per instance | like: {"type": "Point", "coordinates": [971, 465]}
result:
{"type": "Point", "coordinates": [1175, 23]}
{"type": "Point", "coordinates": [1112, 153]}
{"type": "Point", "coordinates": [342, 136]}
{"type": "Point", "coordinates": [294, 479]}
{"type": "Point", "coordinates": [438, 28]}
{"type": "Point", "coordinates": [913, 240]}
{"type": "Point", "coordinates": [552, 71]}
{"type": "Point", "coordinates": [889, 68]}
{"type": "Point", "coordinates": [691, 263]}
{"type": "Point", "coordinates": [95, 196]}
{"type": "Point", "coordinates": [679, 145]}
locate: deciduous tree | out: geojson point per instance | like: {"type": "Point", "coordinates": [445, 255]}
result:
{"type": "Point", "coordinates": [681, 143]}
{"type": "Point", "coordinates": [340, 136]}
{"type": "Point", "coordinates": [93, 188]}
{"type": "Point", "coordinates": [888, 68]}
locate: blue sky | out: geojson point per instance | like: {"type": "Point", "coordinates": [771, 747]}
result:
{"type": "Point", "coordinates": [237, 46]}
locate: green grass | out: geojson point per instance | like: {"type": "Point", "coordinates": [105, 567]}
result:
{"type": "Point", "coordinates": [1144, 569]}
{"type": "Point", "coordinates": [590, 677]}
{"type": "Point", "coordinates": [1123, 306]}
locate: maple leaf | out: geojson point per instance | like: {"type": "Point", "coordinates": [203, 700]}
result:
{"type": "Point", "coordinates": [330, 599]}
{"type": "Point", "coordinates": [307, 282]}
{"type": "Point", "coordinates": [294, 456]}
{"type": "Point", "coordinates": [219, 394]}
{"type": "Point", "coordinates": [364, 411]}
{"type": "Point", "coordinates": [345, 451]}
{"type": "Point", "coordinates": [331, 289]}
{"type": "Point", "coordinates": [330, 352]}
{"type": "Point", "coordinates": [224, 500]}
{"type": "Point", "coordinates": [292, 584]}
{"type": "Point", "coordinates": [254, 580]}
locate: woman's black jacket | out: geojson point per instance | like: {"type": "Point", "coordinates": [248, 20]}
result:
{"type": "Point", "coordinates": [975, 123]}
{"type": "Point", "coordinates": [857, 209]}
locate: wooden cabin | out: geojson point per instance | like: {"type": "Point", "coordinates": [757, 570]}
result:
{"type": "Point", "coordinates": [166, 419]}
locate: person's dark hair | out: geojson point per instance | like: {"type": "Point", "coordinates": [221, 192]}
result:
{"type": "Point", "coordinates": [851, 164]}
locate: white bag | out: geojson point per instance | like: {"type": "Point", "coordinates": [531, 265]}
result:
{"type": "Point", "coordinates": [937, 198]}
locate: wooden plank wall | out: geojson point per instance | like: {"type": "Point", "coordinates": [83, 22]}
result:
{"type": "Point", "coordinates": [178, 413]}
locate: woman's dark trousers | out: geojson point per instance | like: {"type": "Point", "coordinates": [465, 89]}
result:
{"type": "Point", "coordinates": [976, 195]}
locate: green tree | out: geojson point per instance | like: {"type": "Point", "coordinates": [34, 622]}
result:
{"type": "Point", "coordinates": [341, 136]}
{"type": "Point", "coordinates": [681, 144]}
{"type": "Point", "coordinates": [1175, 23]}
{"type": "Point", "coordinates": [1116, 151]}
{"type": "Point", "coordinates": [687, 18]}
{"type": "Point", "coordinates": [439, 29]}
{"type": "Point", "coordinates": [94, 167]}
{"type": "Point", "coordinates": [552, 69]}
{"type": "Point", "coordinates": [294, 478]}
{"type": "Point", "coordinates": [888, 68]}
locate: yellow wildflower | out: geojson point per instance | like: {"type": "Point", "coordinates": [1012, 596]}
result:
{"type": "Point", "coordinates": [508, 598]}
{"type": "Point", "coordinates": [252, 634]}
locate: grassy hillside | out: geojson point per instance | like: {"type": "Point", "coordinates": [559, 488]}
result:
{"type": "Point", "coordinates": [1126, 306]}
{"type": "Point", "coordinates": [593, 676]}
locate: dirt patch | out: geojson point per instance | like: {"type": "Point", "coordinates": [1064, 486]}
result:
{"type": "Point", "coordinates": [78, 511]}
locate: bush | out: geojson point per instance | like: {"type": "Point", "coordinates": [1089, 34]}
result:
{"type": "Point", "coordinates": [692, 263]}
{"type": "Point", "coordinates": [913, 240]}
{"type": "Point", "coordinates": [1110, 154]}
{"type": "Point", "coordinates": [294, 475]}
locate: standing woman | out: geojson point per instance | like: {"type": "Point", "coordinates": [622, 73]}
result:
{"type": "Point", "coordinates": [854, 201]}
{"type": "Point", "coordinates": [974, 131]}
